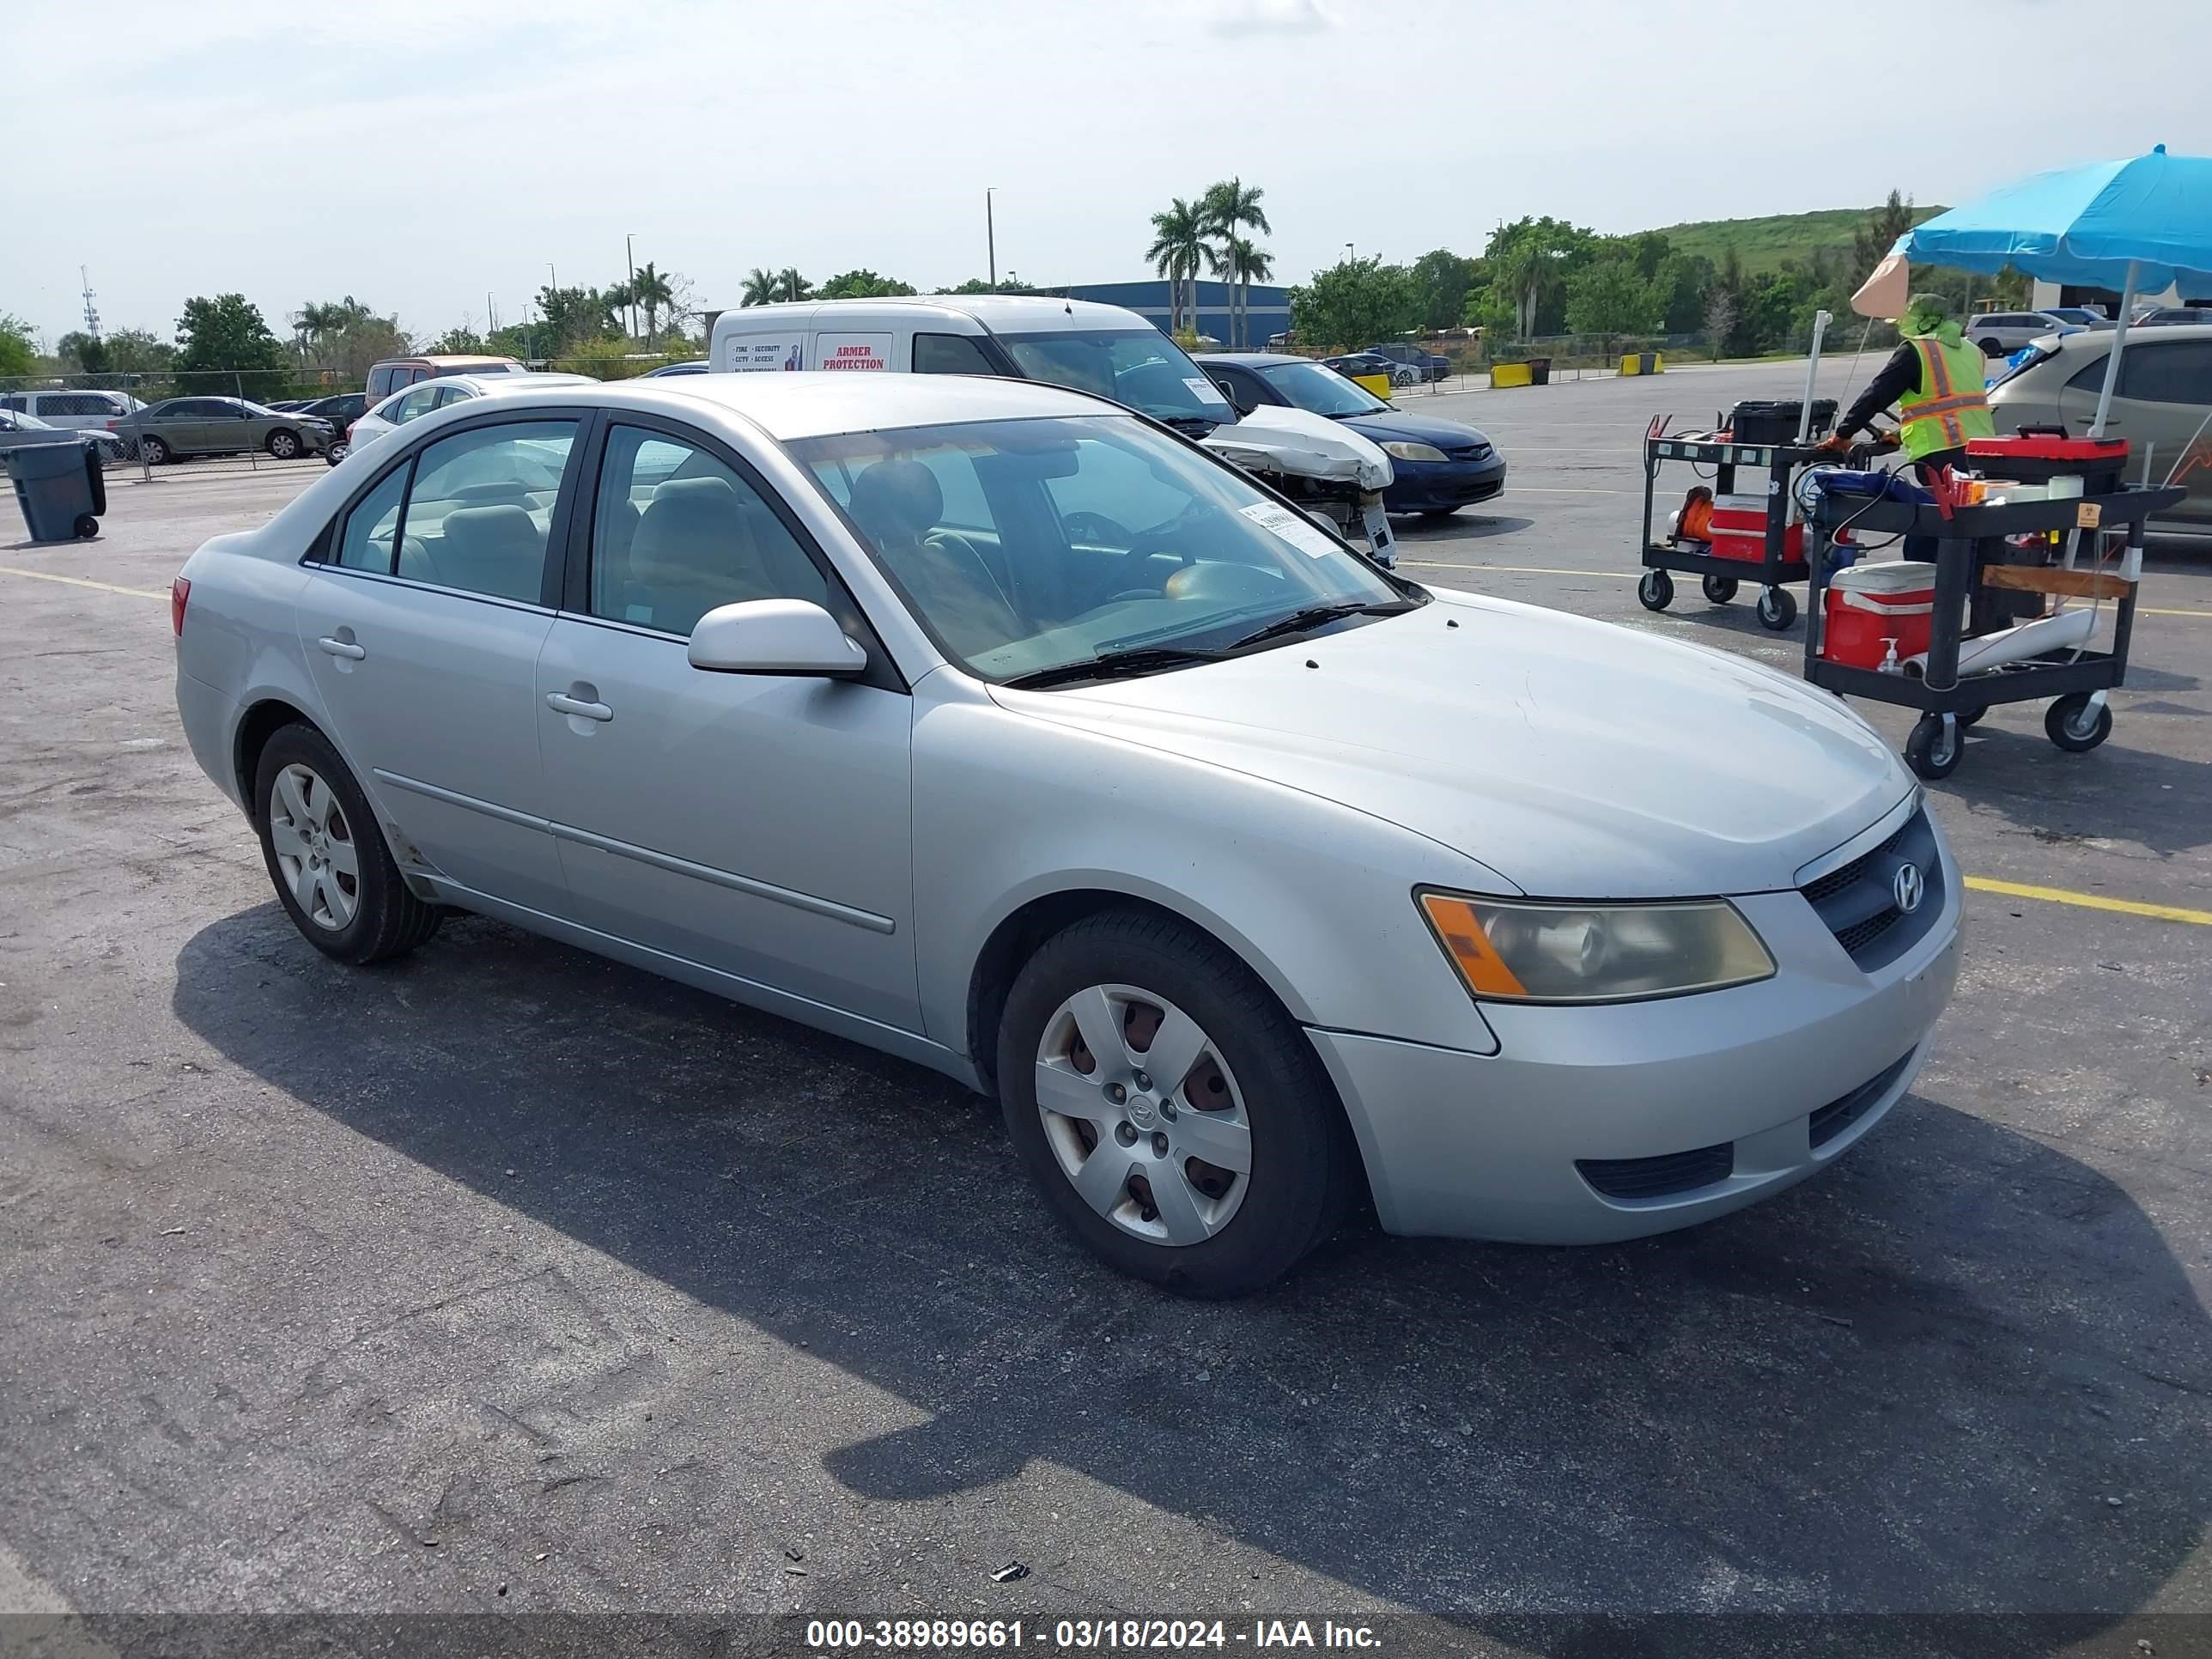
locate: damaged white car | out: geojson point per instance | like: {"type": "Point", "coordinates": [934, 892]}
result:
{"type": "Point", "coordinates": [1332, 473]}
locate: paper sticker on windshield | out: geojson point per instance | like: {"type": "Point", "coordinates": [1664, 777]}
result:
{"type": "Point", "coordinates": [1293, 527]}
{"type": "Point", "coordinates": [1204, 391]}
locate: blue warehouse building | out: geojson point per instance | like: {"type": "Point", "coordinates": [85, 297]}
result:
{"type": "Point", "coordinates": [1270, 312]}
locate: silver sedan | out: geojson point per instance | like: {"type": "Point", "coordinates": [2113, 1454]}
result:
{"type": "Point", "coordinates": [989, 724]}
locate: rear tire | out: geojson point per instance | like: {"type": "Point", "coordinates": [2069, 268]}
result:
{"type": "Point", "coordinates": [1718, 589]}
{"type": "Point", "coordinates": [1269, 1102]}
{"type": "Point", "coordinates": [2068, 723]}
{"type": "Point", "coordinates": [314, 822]}
{"type": "Point", "coordinates": [1656, 590]}
{"type": "Point", "coordinates": [1777, 609]}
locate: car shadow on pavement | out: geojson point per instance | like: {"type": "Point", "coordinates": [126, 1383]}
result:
{"type": "Point", "coordinates": [1463, 526]}
{"type": "Point", "coordinates": [1958, 1370]}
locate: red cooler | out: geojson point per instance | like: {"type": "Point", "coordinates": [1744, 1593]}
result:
{"type": "Point", "coordinates": [1739, 530]}
{"type": "Point", "coordinates": [1868, 606]}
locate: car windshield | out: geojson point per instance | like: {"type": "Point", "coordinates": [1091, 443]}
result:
{"type": "Point", "coordinates": [1026, 547]}
{"type": "Point", "coordinates": [1140, 367]}
{"type": "Point", "coordinates": [2027, 358]}
{"type": "Point", "coordinates": [1323, 390]}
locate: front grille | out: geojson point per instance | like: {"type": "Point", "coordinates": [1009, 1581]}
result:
{"type": "Point", "coordinates": [1838, 1115]}
{"type": "Point", "coordinates": [1858, 904]}
{"type": "Point", "coordinates": [1469, 452]}
{"type": "Point", "coordinates": [1659, 1177]}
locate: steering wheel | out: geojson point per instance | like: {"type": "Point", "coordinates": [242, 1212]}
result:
{"type": "Point", "coordinates": [959, 549]}
{"type": "Point", "coordinates": [1136, 563]}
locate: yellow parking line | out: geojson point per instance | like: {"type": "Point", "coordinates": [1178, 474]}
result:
{"type": "Point", "coordinates": [2090, 901]}
{"type": "Point", "coordinates": [80, 581]}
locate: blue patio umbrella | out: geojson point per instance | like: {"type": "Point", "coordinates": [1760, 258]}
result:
{"type": "Point", "coordinates": [2140, 224]}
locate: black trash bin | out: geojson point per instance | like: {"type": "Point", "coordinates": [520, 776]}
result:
{"type": "Point", "coordinates": [1539, 371]}
{"type": "Point", "coordinates": [60, 488]}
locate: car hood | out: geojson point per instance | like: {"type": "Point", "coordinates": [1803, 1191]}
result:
{"type": "Point", "coordinates": [1396, 427]}
{"type": "Point", "coordinates": [1273, 437]}
{"type": "Point", "coordinates": [1576, 758]}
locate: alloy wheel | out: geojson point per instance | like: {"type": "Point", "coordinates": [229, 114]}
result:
{"type": "Point", "coordinates": [1143, 1114]}
{"type": "Point", "coordinates": [314, 848]}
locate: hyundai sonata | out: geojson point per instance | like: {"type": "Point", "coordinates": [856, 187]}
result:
{"type": "Point", "coordinates": [991, 725]}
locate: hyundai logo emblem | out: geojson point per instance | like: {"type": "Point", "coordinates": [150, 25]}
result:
{"type": "Point", "coordinates": [1908, 887]}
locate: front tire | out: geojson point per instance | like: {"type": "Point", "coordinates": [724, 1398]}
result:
{"type": "Point", "coordinates": [282, 445]}
{"type": "Point", "coordinates": [1213, 1177]}
{"type": "Point", "coordinates": [1777, 609]}
{"type": "Point", "coordinates": [1935, 747]}
{"type": "Point", "coordinates": [1656, 590]}
{"type": "Point", "coordinates": [326, 857]}
{"type": "Point", "coordinates": [2068, 723]}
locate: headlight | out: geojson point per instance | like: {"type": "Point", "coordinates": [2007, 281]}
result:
{"type": "Point", "coordinates": [1509, 951]}
{"type": "Point", "coordinates": [1415, 451]}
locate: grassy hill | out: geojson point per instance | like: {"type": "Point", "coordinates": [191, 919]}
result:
{"type": "Point", "coordinates": [1764, 244]}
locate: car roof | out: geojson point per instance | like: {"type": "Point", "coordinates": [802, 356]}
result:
{"type": "Point", "coordinates": [1001, 314]}
{"type": "Point", "coordinates": [1249, 359]}
{"type": "Point", "coordinates": [508, 383]}
{"type": "Point", "coordinates": [817, 402]}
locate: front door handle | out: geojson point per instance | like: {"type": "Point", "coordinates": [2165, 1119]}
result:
{"type": "Point", "coordinates": [562, 703]}
{"type": "Point", "coordinates": [345, 648]}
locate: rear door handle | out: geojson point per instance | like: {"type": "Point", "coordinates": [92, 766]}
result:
{"type": "Point", "coordinates": [562, 703]}
{"type": "Point", "coordinates": [345, 648]}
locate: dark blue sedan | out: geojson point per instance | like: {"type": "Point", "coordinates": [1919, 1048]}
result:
{"type": "Point", "coordinates": [1440, 466]}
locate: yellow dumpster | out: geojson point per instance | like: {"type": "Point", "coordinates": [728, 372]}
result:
{"type": "Point", "coordinates": [1510, 375]}
{"type": "Point", "coordinates": [1642, 363]}
{"type": "Point", "coordinates": [1377, 384]}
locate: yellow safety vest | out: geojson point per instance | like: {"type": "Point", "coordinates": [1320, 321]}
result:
{"type": "Point", "coordinates": [1949, 407]}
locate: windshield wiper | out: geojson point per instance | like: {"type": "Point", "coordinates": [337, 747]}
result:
{"type": "Point", "coordinates": [1113, 665]}
{"type": "Point", "coordinates": [1313, 616]}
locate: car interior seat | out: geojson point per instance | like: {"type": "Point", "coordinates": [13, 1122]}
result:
{"type": "Point", "coordinates": [492, 549]}
{"type": "Point", "coordinates": [693, 549]}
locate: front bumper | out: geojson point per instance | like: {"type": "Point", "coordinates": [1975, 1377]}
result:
{"type": "Point", "coordinates": [1438, 486]}
{"type": "Point", "coordinates": [1770, 1079]}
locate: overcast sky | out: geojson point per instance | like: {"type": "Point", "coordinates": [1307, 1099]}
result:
{"type": "Point", "coordinates": [421, 156]}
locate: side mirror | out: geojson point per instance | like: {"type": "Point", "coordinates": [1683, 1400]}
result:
{"type": "Point", "coordinates": [795, 638]}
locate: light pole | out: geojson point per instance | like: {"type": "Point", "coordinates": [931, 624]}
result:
{"type": "Point", "coordinates": [630, 257]}
{"type": "Point", "coordinates": [1351, 252]}
{"type": "Point", "coordinates": [991, 234]}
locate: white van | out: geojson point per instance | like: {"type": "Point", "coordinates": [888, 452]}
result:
{"type": "Point", "coordinates": [1324, 467]}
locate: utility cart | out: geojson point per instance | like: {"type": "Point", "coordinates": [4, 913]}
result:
{"type": "Point", "coordinates": [1971, 573]}
{"type": "Point", "coordinates": [1780, 553]}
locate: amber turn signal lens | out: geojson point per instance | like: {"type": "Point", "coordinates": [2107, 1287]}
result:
{"type": "Point", "coordinates": [1460, 933]}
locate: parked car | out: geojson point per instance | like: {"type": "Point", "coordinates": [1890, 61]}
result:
{"type": "Point", "coordinates": [1411, 365]}
{"type": "Point", "coordinates": [2159, 405]}
{"type": "Point", "coordinates": [2079, 316]}
{"type": "Point", "coordinates": [1079, 343]}
{"type": "Point", "coordinates": [341, 409]}
{"type": "Point", "coordinates": [393, 373]}
{"type": "Point", "coordinates": [696, 365]}
{"type": "Point", "coordinates": [417, 401]}
{"type": "Point", "coordinates": [2001, 333]}
{"type": "Point", "coordinates": [289, 404]}
{"type": "Point", "coordinates": [2171, 316]}
{"type": "Point", "coordinates": [1437, 467]}
{"type": "Point", "coordinates": [180, 427]}
{"type": "Point", "coordinates": [986, 724]}
{"type": "Point", "coordinates": [24, 431]}
{"type": "Point", "coordinates": [80, 409]}
{"type": "Point", "coordinates": [1362, 362]}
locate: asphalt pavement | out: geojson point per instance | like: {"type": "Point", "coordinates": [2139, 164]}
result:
{"type": "Point", "coordinates": [506, 1280]}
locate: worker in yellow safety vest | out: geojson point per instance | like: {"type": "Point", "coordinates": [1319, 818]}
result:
{"type": "Point", "coordinates": [1935, 379]}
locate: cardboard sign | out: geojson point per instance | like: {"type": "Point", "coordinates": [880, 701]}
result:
{"type": "Point", "coordinates": [853, 351]}
{"type": "Point", "coordinates": [757, 354]}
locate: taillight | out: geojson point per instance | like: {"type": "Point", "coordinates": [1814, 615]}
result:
{"type": "Point", "coordinates": [180, 593]}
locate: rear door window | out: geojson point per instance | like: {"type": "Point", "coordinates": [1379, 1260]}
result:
{"type": "Point", "coordinates": [2169, 372]}
{"type": "Point", "coordinates": [950, 354]}
{"type": "Point", "coordinates": [480, 511]}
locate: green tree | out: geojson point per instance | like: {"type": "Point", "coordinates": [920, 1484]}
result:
{"type": "Point", "coordinates": [1230, 208]}
{"type": "Point", "coordinates": [17, 355]}
{"type": "Point", "coordinates": [1874, 239]}
{"type": "Point", "coordinates": [760, 287]}
{"type": "Point", "coordinates": [985, 285]}
{"type": "Point", "coordinates": [459, 341]}
{"type": "Point", "coordinates": [1443, 279]}
{"type": "Point", "coordinates": [861, 285]}
{"type": "Point", "coordinates": [573, 315]}
{"type": "Point", "coordinates": [1246, 265]}
{"type": "Point", "coordinates": [1355, 302]}
{"type": "Point", "coordinates": [1530, 261]}
{"type": "Point", "coordinates": [1610, 297]}
{"type": "Point", "coordinates": [220, 340]}
{"type": "Point", "coordinates": [86, 354]}
{"type": "Point", "coordinates": [651, 291]}
{"type": "Point", "coordinates": [139, 351]}
{"type": "Point", "coordinates": [1179, 233]}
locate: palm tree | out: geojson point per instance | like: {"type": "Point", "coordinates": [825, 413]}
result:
{"type": "Point", "coordinates": [1248, 263]}
{"type": "Point", "coordinates": [790, 285]}
{"type": "Point", "coordinates": [649, 291]}
{"type": "Point", "coordinates": [1230, 208]}
{"type": "Point", "coordinates": [760, 287]}
{"type": "Point", "coordinates": [1178, 245]}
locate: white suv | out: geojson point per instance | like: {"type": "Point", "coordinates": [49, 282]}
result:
{"type": "Point", "coordinates": [2001, 333]}
{"type": "Point", "coordinates": [88, 411]}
